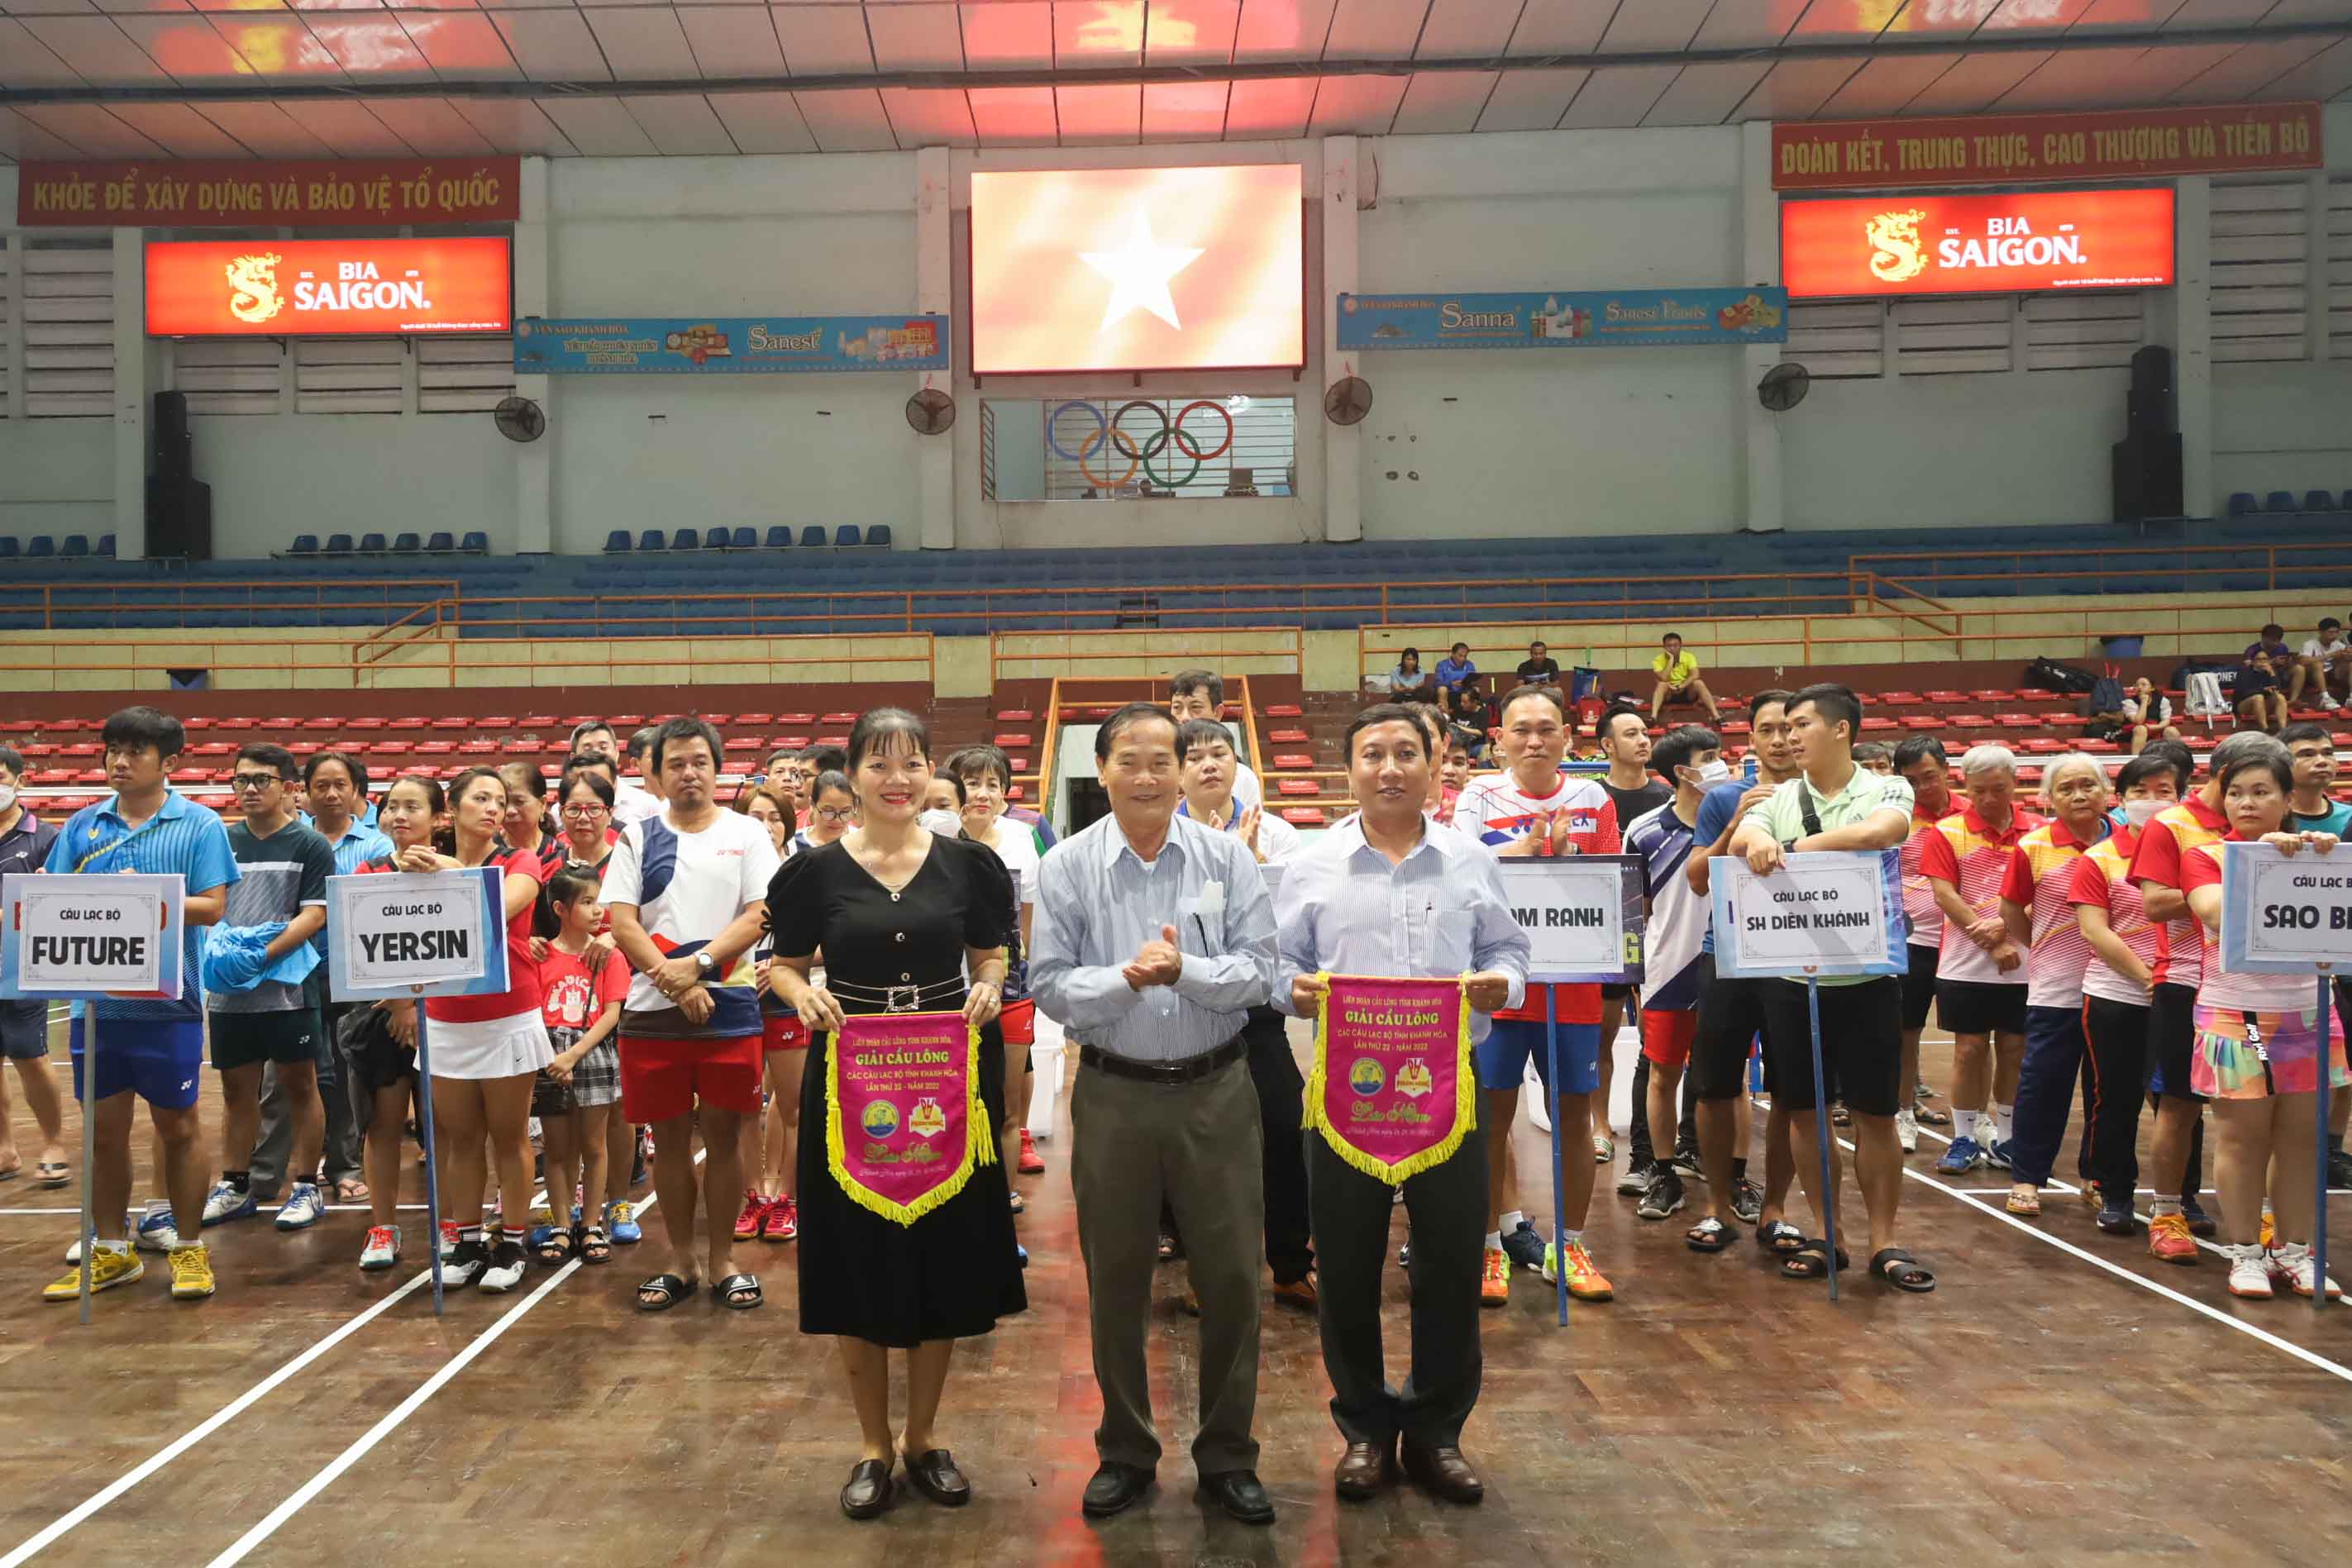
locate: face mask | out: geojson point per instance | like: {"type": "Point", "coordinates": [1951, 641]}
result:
{"type": "Point", "coordinates": [1707, 776]}
{"type": "Point", "coordinates": [2139, 813]}
{"type": "Point", "coordinates": [942, 821]}
{"type": "Point", "coordinates": [7, 795]}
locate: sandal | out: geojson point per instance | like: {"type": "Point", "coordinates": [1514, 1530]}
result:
{"type": "Point", "coordinates": [589, 1245]}
{"type": "Point", "coordinates": [1902, 1271]}
{"type": "Point", "coordinates": [1020, 1206]}
{"type": "Point", "coordinates": [2024, 1200]}
{"type": "Point", "coordinates": [554, 1249]}
{"type": "Point", "coordinates": [662, 1292]}
{"type": "Point", "coordinates": [51, 1175]}
{"type": "Point", "coordinates": [1928, 1116]}
{"type": "Point", "coordinates": [12, 1172]}
{"type": "Point", "coordinates": [1839, 1116]}
{"type": "Point", "coordinates": [1709, 1235]}
{"type": "Point", "coordinates": [1812, 1261]}
{"type": "Point", "coordinates": [1780, 1236]}
{"type": "Point", "coordinates": [740, 1292]}
{"type": "Point", "coordinates": [351, 1189]}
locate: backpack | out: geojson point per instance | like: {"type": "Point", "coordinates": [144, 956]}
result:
{"type": "Point", "coordinates": [2106, 695]}
{"type": "Point", "coordinates": [2049, 675]}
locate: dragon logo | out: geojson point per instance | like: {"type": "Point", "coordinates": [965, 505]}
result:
{"type": "Point", "coordinates": [254, 282]}
{"type": "Point", "coordinates": [1895, 238]}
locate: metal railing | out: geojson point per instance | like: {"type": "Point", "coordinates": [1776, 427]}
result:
{"type": "Point", "coordinates": [2161, 568]}
{"type": "Point", "coordinates": [400, 595]}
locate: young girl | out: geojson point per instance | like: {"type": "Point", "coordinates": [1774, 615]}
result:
{"type": "Point", "coordinates": [768, 1155]}
{"type": "Point", "coordinates": [587, 809]}
{"type": "Point", "coordinates": [2259, 1047]}
{"type": "Point", "coordinates": [582, 985]}
{"type": "Point", "coordinates": [410, 812]}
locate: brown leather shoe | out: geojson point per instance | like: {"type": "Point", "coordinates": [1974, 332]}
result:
{"type": "Point", "coordinates": [1299, 1294]}
{"type": "Point", "coordinates": [1365, 1470]}
{"type": "Point", "coordinates": [1443, 1473]}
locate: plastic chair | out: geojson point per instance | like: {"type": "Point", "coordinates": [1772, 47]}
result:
{"type": "Point", "coordinates": [2318, 501]}
{"type": "Point", "coordinates": [687, 538]}
{"type": "Point", "coordinates": [717, 539]}
{"type": "Point", "coordinates": [2279, 501]}
{"type": "Point", "coordinates": [2243, 504]}
{"type": "Point", "coordinates": [105, 547]}
{"type": "Point", "coordinates": [745, 538]}
{"type": "Point", "coordinates": [475, 543]}
{"type": "Point", "coordinates": [780, 537]}
{"type": "Point", "coordinates": [879, 537]}
{"type": "Point", "coordinates": [849, 536]}
{"type": "Point", "coordinates": [653, 539]}
{"type": "Point", "coordinates": [617, 542]}
{"type": "Point", "coordinates": [373, 544]}
{"type": "Point", "coordinates": [440, 544]}
{"type": "Point", "coordinates": [407, 544]}
{"type": "Point", "coordinates": [811, 537]}
{"type": "Point", "coordinates": [304, 544]}
{"type": "Point", "coordinates": [337, 544]}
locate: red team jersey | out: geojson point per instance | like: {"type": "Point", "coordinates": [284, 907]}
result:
{"type": "Point", "coordinates": [1919, 906]}
{"type": "Point", "coordinates": [2103, 878]}
{"type": "Point", "coordinates": [2040, 878]}
{"type": "Point", "coordinates": [522, 993]}
{"type": "Point", "coordinates": [2180, 961]}
{"type": "Point", "coordinates": [1965, 852]}
{"type": "Point", "coordinates": [1495, 811]}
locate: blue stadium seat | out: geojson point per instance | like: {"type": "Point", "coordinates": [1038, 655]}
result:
{"type": "Point", "coordinates": [2318, 501]}
{"type": "Point", "coordinates": [371, 544]}
{"type": "Point", "coordinates": [407, 544]}
{"type": "Point", "coordinates": [879, 537]}
{"type": "Point", "coordinates": [687, 538]}
{"type": "Point", "coordinates": [106, 547]}
{"type": "Point", "coordinates": [441, 544]}
{"type": "Point", "coordinates": [812, 535]}
{"type": "Point", "coordinates": [305, 544]}
{"type": "Point", "coordinates": [848, 535]}
{"type": "Point", "coordinates": [717, 539]}
{"type": "Point", "coordinates": [76, 545]}
{"type": "Point", "coordinates": [653, 539]}
{"type": "Point", "coordinates": [2279, 501]}
{"type": "Point", "coordinates": [336, 544]}
{"type": "Point", "coordinates": [9, 549]}
{"type": "Point", "coordinates": [746, 538]}
{"type": "Point", "coordinates": [2243, 504]}
{"type": "Point", "coordinates": [780, 537]}
{"type": "Point", "coordinates": [617, 542]}
{"type": "Point", "coordinates": [476, 542]}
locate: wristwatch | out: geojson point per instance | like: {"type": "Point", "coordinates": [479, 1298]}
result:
{"type": "Point", "coordinates": [1787, 846]}
{"type": "Point", "coordinates": [706, 962]}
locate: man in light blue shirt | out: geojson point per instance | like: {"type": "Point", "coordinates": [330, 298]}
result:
{"type": "Point", "coordinates": [1389, 891]}
{"type": "Point", "coordinates": [1154, 937]}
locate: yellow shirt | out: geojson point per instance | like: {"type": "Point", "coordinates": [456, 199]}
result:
{"type": "Point", "coordinates": [1680, 671]}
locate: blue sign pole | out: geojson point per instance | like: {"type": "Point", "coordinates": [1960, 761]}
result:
{"type": "Point", "coordinates": [89, 1151]}
{"type": "Point", "coordinates": [2319, 1157]}
{"type": "Point", "coordinates": [425, 1130]}
{"type": "Point", "coordinates": [1558, 1169]}
{"type": "Point", "coordinates": [1821, 1124]}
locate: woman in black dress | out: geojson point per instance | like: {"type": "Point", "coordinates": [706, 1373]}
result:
{"type": "Point", "coordinates": [901, 915]}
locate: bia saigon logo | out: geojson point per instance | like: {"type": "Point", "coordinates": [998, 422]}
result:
{"type": "Point", "coordinates": [1895, 236]}
{"type": "Point", "coordinates": [253, 287]}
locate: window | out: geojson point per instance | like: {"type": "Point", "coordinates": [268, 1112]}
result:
{"type": "Point", "coordinates": [2261, 239]}
{"type": "Point", "coordinates": [1193, 448]}
{"type": "Point", "coordinates": [66, 289]}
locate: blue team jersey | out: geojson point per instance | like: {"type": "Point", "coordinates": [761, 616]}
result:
{"type": "Point", "coordinates": [1715, 815]}
{"type": "Point", "coordinates": [182, 839]}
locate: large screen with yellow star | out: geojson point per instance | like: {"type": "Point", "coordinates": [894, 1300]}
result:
{"type": "Point", "coordinates": [1137, 269]}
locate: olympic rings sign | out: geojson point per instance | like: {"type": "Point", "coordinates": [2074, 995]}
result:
{"type": "Point", "coordinates": [1110, 429]}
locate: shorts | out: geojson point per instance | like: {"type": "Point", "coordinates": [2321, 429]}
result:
{"type": "Point", "coordinates": [661, 1079]}
{"type": "Point", "coordinates": [1667, 1037]}
{"type": "Point", "coordinates": [1609, 993]}
{"type": "Point", "coordinates": [2247, 1055]}
{"type": "Point", "coordinates": [489, 1049]}
{"type": "Point", "coordinates": [2172, 1041]}
{"type": "Point", "coordinates": [783, 1031]}
{"type": "Point", "coordinates": [1977, 1007]}
{"type": "Point", "coordinates": [159, 1062]}
{"type": "Point", "coordinates": [1512, 1043]}
{"type": "Point", "coordinates": [24, 1030]}
{"type": "Point", "coordinates": [1918, 985]}
{"type": "Point", "coordinates": [1861, 1045]}
{"type": "Point", "coordinates": [248, 1040]}
{"type": "Point", "coordinates": [1018, 1023]}
{"type": "Point", "coordinates": [1730, 1017]}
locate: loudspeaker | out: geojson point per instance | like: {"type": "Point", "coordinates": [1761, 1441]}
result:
{"type": "Point", "coordinates": [2146, 468]}
{"type": "Point", "coordinates": [2151, 369]}
{"type": "Point", "coordinates": [174, 451]}
{"type": "Point", "coordinates": [179, 518]}
{"type": "Point", "coordinates": [2148, 413]}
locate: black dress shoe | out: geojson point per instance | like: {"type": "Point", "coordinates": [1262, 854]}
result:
{"type": "Point", "coordinates": [1240, 1494]}
{"type": "Point", "coordinates": [1115, 1489]}
{"type": "Point", "coordinates": [934, 1474]}
{"type": "Point", "coordinates": [1443, 1473]}
{"type": "Point", "coordinates": [868, 1491]}
{"type": "Point", "coordinates": [1364, 1470]}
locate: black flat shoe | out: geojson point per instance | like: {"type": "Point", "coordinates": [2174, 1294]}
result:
{"type": "Point", "coordinates": [1240, 1494]}
{"type": "Point", "coordinates": [868, 1491]}
{"type": "Point", "coordinates": [1115, 1489]}
{"type": "Point", "coordinates": [933, 1473]}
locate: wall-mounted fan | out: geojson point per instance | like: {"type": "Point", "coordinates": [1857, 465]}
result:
{"type": "Point", "coordinates": [930, 412]}
{"type": "Point", "coordinates": [1784, 386]}
{"type": "Point", "coordinates": [1348, 400]}
{"type": "Point", "coordinates": [519, 419]}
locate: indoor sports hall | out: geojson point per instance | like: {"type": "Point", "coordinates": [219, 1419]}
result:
{"type": "Point", "coordinates": [687, 481]}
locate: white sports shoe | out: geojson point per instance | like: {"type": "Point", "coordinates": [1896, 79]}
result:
{"type": "Point", "coordinates": [1907, 1130]}
{"type": "Point", "coordinates": [2250, 1273]}
{"type": "Point", "coordinates": [302, 1208]}
{"type": "Point", "coordinates": [382, 1248]}
{"type": "Point", "coordinates": [157, 1229]}
{"type": "Point", "coordinates": [2293, 1263]}
{"type": "Point", "coordinates": [225, 1203]}
{"type": "Point", "coordinates": [2328, 700]}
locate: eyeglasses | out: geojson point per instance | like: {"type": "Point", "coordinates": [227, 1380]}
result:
{"type": "Point", "coordinates": [835, 814]}
{"type": "Point", "coordinates": [244, 781]}
{"type": "Point", "coordinates": [576, 810]}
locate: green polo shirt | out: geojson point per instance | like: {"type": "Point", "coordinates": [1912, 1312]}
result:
{"type": "Point", "coordinates": [1783, 816]}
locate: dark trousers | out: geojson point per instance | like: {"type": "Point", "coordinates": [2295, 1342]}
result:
{"type": "Point", "coordinates": [2113, 1068]}
{"type": "Point", "coordinates": [2055, 1049]}
{"type": "Point", "coordinates": [1685, 1133]}
{"type": "Point", "coordinates": [345, 1099]}
{"type": "Point", "coordinates": [1447, 1209]}
{"type": "Point", "coordinates": [1281, 1092]}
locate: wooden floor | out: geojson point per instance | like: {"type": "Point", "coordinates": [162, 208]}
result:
{"type": "Point", "coordinates": [2045, 1402]}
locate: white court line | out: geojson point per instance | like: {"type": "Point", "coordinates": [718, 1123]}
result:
{"type": "Point", "coordinates": [203, 1429]}
{"type": "Point", "coordinates": [399, 1414]}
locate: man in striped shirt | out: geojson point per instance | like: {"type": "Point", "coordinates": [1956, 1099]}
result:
{"type": "Point", "coordinates": [1673, 967]}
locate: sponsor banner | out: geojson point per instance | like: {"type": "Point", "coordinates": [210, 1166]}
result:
{"type": "Point", "coordinates": [1583, 915]}
{"type": "Point", "coordinates": [1391, 1089]}
{"type": "Point", "coordinates": [328, 288]}
{"type": "Point", "coordinates": [661, 346]}
{"type": "Point", "coordinates": [2002, 149]}
{"type": "Point", "coordinates": [904, 1123]}
{"type": "Point", "coordinates": [2285, 915]}
{"type": "Point", "coordinates": [91, 937]}
{"type": "Point", "coordinates": [1825, 913]}
{"type": "Point", "coordinates": [417, 934]}
{"type": "Point", "coordinates": [1564, 320]}
{"type": "Point", "coordinates": [239, 193]}
{"type": "Point", "coordinates": [1977, 243]}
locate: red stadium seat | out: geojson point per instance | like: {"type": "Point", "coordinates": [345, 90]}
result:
{"type": "Point", "coordinates": [365, 724]}
{"type": "Point", "coordinates": [718, 720]}
{"type": "Point", "coordinates": [1303, 816]}
{"type": "Point", "coordinates": [1285, 710]}
{"type": "Point", "coordinates": [1015, 715]}
{"type": "Point", "coordinates": [1299, 787]}
{"type": "Point", "coordinates": [1900, 699]}
{"type": "Point", "coordinates": [792, 743]}
{"type": "Point", "coordinates": [1970, 721]}
{"type": "Point", "coordinates": [191, 775]}
{"type": "Point", "coordinates": [1020, 765]}
{"type": "Point", "coordinates": [1878, 724]}
{"type": "Point", "coordinates": [323, 721]}
{"type": "Point", "coordinates": [797, 720]}
{"type": "Point", "coordinates": [307, 748]}
{"type": "Point", "coordinates": [478, 748]}
{"type": "Point", "coordinates": [1730, 726]}
{"type": "Point", "coordinates": [2100, 747]}
{"type": "Point", "coordinates": [743, 743]}
{"type": "Point", "coordinates": [1947, 698]}
{"type": "Point", "coordinates": [2064, 721]}
{"type": "Point", "coordinates": [1922, 721]}
{"type": "Point", "coordinates": [79, 748]}
{"type": "Point", "coordinates": [833, 740]}
{"type": "Point", "coordinates": [1995, 697]}
{"type": "Point", "coordinates": [25, 727]}
{"type": "Point", "coordinates": [2019, 720]}
{"type": "Point", "coordinates": [36, 748]}
{"type": "Point", "coordinates": [1287, 736]}
{"type": "Point", "coordinates": [434, 747]}
{"type": "Point", "coordinates": [542, 721]}
{"type": "Point", "coordinates": [451, 721]}
{"type": "Point", "coordinates": [1012, 738]}
{"type": "Point", "coordinates": [207, 749]}
{"type": "Point", "coordinates": [1300, 761]}
{"type": "Point", "coordinates": [520, 746]}
{"type": "Point", "coordinates": [50, 777]}
{"type": "Point", "coordinates": [1016, 793]}
{"type": "Point", "coordinates": [627, 721]}
{"type": "Point", "coordinates": [840, 718]}
{"type": "Point", "coordinates": [2041, 746]}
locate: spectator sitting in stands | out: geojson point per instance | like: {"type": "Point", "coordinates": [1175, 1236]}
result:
{"type": "Point", "coordinates": [1538, 668]}
{"type": "Point", "coordinates": [1875, 756]}
{"type": "Point", "coordinates": [1677, 674]}
{"type": "Point", "coordinates": [1453, 671]}
{"type": "Point", "coordinates": [2272, 641]}
{"type": "Point", "coordinates": [1474, 716]}
{"type": "Point", "coordinates": [2148, 712]}
{"type": "Point", "coordinates": [2326, 659]}
{"type": "Point", "coordinates": [1409, 682]}
{"type": "Point", "coordinates": [2259, 700]}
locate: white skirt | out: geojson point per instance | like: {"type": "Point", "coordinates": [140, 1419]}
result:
{"type": "Point", "coordinates": [493, 1047]}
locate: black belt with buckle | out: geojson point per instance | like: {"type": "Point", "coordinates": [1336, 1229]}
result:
{"type": "Point", "coordinates": [1191, 1070]}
